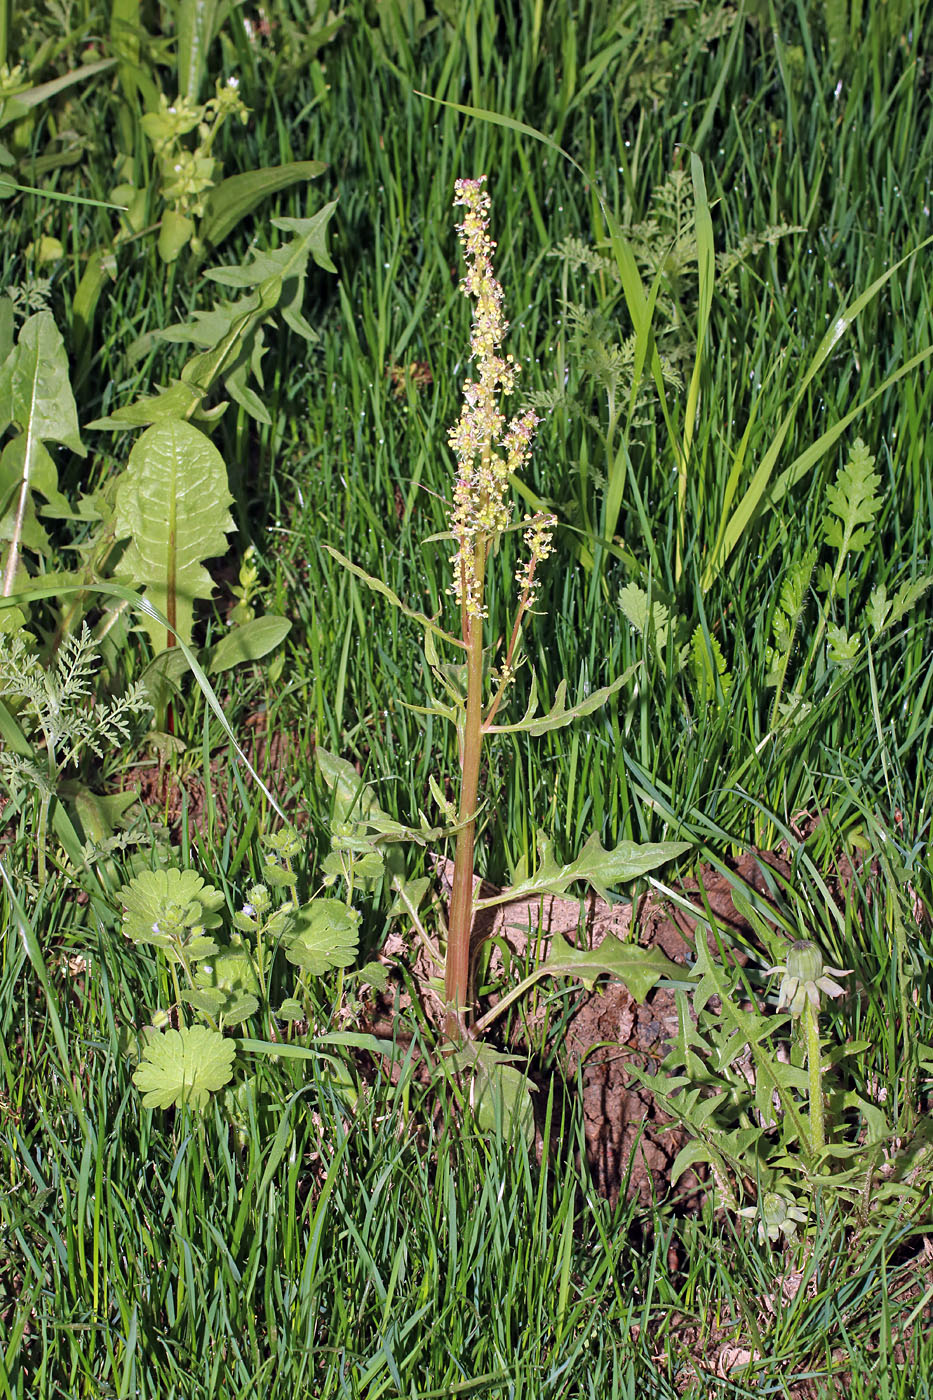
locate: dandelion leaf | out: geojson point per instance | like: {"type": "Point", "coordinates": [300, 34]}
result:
{"type": "Point", "coordinates": [601, 868]}
{"type": "Point", "coordinates": [172, 507]}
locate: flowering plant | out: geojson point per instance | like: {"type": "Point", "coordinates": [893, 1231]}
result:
{"type": "Point", "coordinates": [490, 452]}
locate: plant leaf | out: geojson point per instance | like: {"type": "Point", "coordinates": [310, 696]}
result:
{"type": "Point", "coordinates": [172, 504]}
{"type": "Point", "coordinates": [602, 869]}
{"type": "Point", "coordinates": [249, 642]}
{"type": "Point", "coordinates": [377, 585]}
{"type": "Point", "coordinates": [638, 968]}
{"type": "Point", "coordinates": [500, 1095]}
{"type": "Point", "coordinates": [854, 502]}
{"type": "Point", "coordinates": [325, 934]}
{"type": "Point", "coordinates": [35, 395]}
{"type": "Point", "coordinates": [171, 909]}
{"type": "Point", "coordinates": [230, 201]}
{"type": "Point", "coordinates": [184, 1067]}
{"type": "Point", "coordinates": [558, 715]}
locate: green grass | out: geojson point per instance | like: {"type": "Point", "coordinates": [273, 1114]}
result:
{"type": "Point", "coordinates": [305, 1244]}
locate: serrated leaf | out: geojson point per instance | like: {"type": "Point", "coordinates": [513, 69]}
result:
{"type": "Point", "coordinates": [601, 868]}
{"type": "Point", "coordinates": [843, 647]}
{"type": "Point", "coordinates": [184, 1067]}
{"type": "Point", "coordinates": [854, 502]}
{"type": "Point", "coordinates": [639, 969]}
{"type": "Point", "coordinates": [878, 609]}
{"type": "Point", "coordinates": [709, 665]}
{"type": "Point", "coordinates": [171, 503]}
{"type": "Point", "coordinates": [290, 1010]}
{"type": "Point", "coordinates": [907, 597]}
{"type": "Point", "coordinates": [650, 617]}
{"type": "Point", "coordinates": [325, 934]}
{"type": "Point", "coordinates": [249, 642]}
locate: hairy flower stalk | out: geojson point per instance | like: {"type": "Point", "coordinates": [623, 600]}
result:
{"type": "Point", "coordinates": [488, 452]}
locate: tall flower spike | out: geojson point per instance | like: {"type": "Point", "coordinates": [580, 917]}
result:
{"type": "Point", "coordinates": [481, 506]}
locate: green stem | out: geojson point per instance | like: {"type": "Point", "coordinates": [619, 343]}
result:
{"type": "Point", "coordinates": [457, 971]}
{"type": "Point", "coordinates": [812, 1032]}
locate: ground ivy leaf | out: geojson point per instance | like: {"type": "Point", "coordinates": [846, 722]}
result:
{"type": "Point", "coordinates": [171, 909]}
{"type": "Point", "coordinates": [326, 934]}
{"type": "Point", "coordinates": [185, 1066]}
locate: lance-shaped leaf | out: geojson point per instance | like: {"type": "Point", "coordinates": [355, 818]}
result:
{"type": "Point", "coordinates": [559, 715]}
{"type": "Point", "coordinates": [35, 396]}
{"type": "Point", "coordinates": [377, 585]}
{"type": "Point", "coordinates": [600, 868]}
{"type": "Point", "coordinates": [172, 504]}
{"type": "Point", "coordinates": [184, 1067]}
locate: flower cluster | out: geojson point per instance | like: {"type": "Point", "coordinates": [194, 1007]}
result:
{"type": "Point", "coordinates": [481, 507]}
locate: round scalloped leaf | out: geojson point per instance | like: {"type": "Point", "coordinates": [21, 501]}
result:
{"type": "Point", "coordinates": [185, 1066]}
{"type": "Point", "coordinates": [231, 970]}
{"type": "Point", "coordinates": [169, 909]}
{"type": "Point", "coordinates": [326, 934]}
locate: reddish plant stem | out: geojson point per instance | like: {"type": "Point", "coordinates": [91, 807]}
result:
{"type": "Point", "coordinates": [460, 922]}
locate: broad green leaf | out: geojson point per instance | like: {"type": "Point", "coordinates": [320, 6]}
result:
{"type": "Point", "coordinates": [249, 642]}
{"type": "Point", "coordinates": [171, 909]}
{"type": "Point", "coordinates": [175, 234]}
{"type": "Point", "coordinates": [35, 395]}
{"type": "Point", "coordinates": [234, 198]}
{"type": "Point", "coordinates": [499, 1094]}
{"type": "Point", "coordinates": [171, 503]}
{"type": "Point", "coordinates": [184, 1067]}
{"type": "Point", "coordinates": [600, 868]}
{"type": "Point", "coordinates": [325, 934]}
{"type": "Point", "coordinates": [638, 968]}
